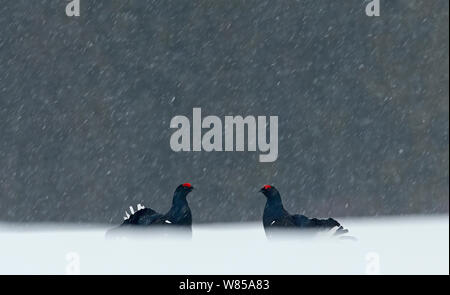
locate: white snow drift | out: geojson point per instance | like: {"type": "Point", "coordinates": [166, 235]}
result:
{"type": "Point", "coordinates": [407, 245]}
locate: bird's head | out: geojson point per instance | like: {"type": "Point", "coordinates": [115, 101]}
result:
{"type": "Point", "coordinates": [268, 190]}
{"type": "Point", "coordinates": [184, 189]}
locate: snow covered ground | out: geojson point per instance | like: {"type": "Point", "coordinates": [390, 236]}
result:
{"type": "Point", "coordinates": [388, 245]}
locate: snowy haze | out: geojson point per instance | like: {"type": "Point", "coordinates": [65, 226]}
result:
{"type": "Point", "coordinates": [86, 105]}
{"type": "Point", "coordinates": [406, 245]}
{"type": "Point", "coordinates": [363, 130]}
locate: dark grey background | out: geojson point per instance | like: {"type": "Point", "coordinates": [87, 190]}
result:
{"type": "Point", "coordinates": [85, 106]}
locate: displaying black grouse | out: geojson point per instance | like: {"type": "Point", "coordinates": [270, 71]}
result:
{"type": "Point", "coordinates": [179, 214]}
{"type": "Point", "coordinates": [276, 217]}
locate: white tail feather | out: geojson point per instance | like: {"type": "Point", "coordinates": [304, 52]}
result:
{"type": "Point", "coordinates": [138, 208]}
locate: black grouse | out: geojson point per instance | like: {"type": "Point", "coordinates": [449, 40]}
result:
{"type": "Point", "coordinates": [179, 215]}
{"type": "Point", "coordinates": [276, 217]}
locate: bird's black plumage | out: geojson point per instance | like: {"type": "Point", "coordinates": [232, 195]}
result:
{"type": "Point", "coordinates": [276, 217]}
{"type": "Point", "coordinates": [178, 216]}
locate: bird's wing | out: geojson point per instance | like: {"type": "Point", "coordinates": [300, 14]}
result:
{"type": "Point", "coordinates": [320, 224]}
{"type": "Point", "coordinates": [283, 221]}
